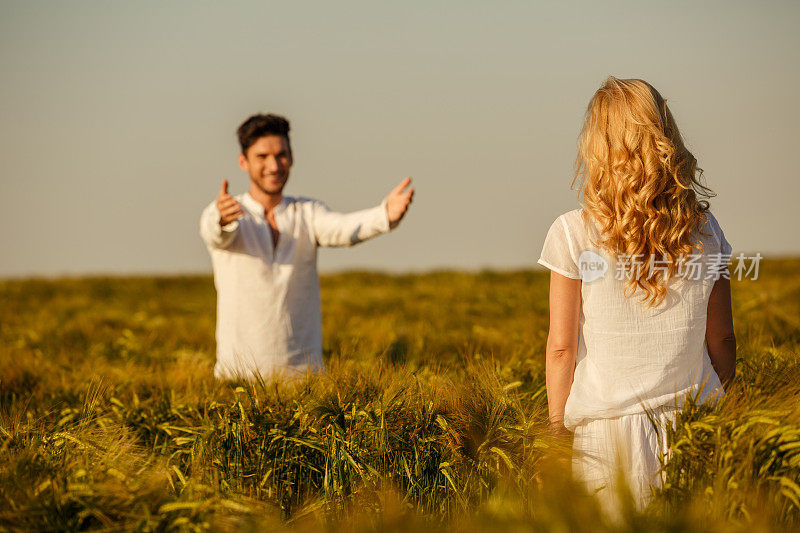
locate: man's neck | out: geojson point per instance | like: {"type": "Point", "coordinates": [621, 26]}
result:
{"type": "Point", "coordinates": [269, 201]}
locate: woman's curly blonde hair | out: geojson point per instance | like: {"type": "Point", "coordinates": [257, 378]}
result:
{"type": "Point", "coordinates": [639, 182]}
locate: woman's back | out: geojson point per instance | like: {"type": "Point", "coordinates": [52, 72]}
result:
{"type": "Point", "coordinates": [632, 357]}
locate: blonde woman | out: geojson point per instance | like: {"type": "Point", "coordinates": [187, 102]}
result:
{"type": "Point", "coordinates": [640, 308]}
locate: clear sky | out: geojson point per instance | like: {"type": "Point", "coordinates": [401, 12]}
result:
{"type": "Point", "coordinates": [118, 120]}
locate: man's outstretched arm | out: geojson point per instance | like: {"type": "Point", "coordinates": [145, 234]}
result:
{"type": "Point", "coordinates": [347, 229]}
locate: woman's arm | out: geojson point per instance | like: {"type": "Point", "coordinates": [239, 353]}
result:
{"type": "Point", "coordinates": [720, 340]}
{"type": "Point", "coordinates": [562, 343]}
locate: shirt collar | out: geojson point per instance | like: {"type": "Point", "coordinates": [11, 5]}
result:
{"type": "Point", "coordinates": [251, 204]}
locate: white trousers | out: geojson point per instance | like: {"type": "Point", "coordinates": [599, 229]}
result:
{"type": "Point", "coordinates": [627, 449]}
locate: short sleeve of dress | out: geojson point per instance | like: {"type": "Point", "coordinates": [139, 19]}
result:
{"type": "Point", "coordinates": [725, 247]}
{"type": "Point", "coordinates": [557, 251]}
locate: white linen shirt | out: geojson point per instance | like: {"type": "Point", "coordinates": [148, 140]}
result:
{"type": "Point", "coordinates": [269, 316]}
{"type": "Point", "coordinates": [631, 358]}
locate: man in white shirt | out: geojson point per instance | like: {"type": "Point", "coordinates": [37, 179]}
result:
{"type": "Point", "coordinates": [263, 248]}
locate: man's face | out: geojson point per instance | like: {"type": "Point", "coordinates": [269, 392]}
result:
{"type": "Point", "coordinates": [268, 162]}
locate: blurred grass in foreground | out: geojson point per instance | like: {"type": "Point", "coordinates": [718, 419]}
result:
{"type": "Point", "coordinates": [432, 414]}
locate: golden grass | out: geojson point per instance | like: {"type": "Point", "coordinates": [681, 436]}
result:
{"type": "Point", "coordinates": [432, 414]}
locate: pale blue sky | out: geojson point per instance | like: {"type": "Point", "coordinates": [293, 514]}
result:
{"type": "Point", "coordinates": [118, 120]}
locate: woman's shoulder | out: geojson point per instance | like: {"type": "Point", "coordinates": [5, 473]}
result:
{"type": "Point", "coordinates": [574, 216]}
{"type": "Point", "coordinates": [566, 225]}
{"type": "Point", "coordinates": [570, 227]}
{"type": "Point", "coordinates": [711, 231]}
{"type": "Point", "coordinates": [569, 218]}
{"type": "Point", "coordinates": [709, 221]}
{"type": "Point", "coordinates": [578, 223]}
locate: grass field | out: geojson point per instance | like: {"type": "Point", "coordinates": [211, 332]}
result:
{"type": "Point", "coordinates": [432, 414]}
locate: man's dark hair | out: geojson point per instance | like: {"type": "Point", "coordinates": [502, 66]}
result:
{"type": "Point", "coordinates": [259, 126]}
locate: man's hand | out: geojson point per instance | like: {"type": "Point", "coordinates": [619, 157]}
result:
{"type": "Point", "coordinates": [229, 209]}
{"type": "Point", "coordinates": [398, 201]}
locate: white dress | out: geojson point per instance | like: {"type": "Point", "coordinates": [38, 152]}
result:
{"type": "Point", "coordinates": [632, 360]}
